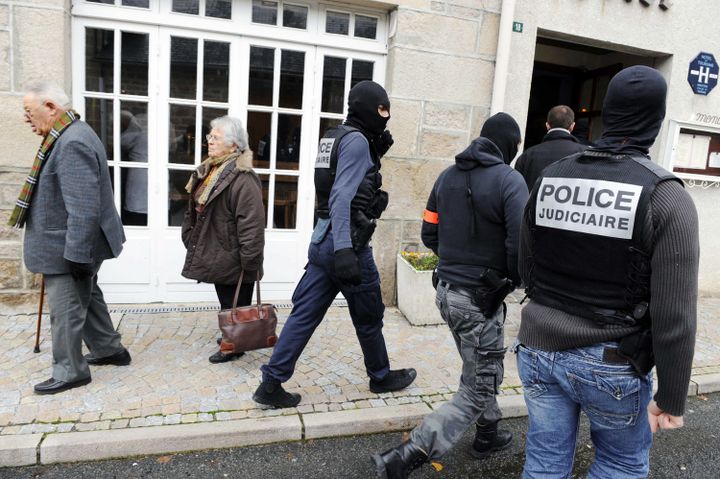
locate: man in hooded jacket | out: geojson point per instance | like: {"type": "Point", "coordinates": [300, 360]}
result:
{"type": "Point", "coordinates": [609, 254]}
{"type": "Point", "coordinates": [349, 201]}
{"type": "Point", "coordinates": [472, 222]}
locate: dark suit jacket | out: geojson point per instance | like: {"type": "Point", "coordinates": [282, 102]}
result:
{"type": "Point", "coordinates": [72, 214]}
{"type": "Point", "coordinates": [555, 145]}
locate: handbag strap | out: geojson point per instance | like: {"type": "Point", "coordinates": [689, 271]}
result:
{"type": "Point", "coordinates": [237, 293]}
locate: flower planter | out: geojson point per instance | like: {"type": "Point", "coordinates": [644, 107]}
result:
{"type": "Point", "coordinates": [415, 295]}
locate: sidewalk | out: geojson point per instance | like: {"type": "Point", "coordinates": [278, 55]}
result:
{"type": "Point", "coordinates": [171, 399]}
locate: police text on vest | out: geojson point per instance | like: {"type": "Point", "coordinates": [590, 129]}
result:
{"type": "Point", "coordinates": [597, 207]}
{"type": "Point", "coordinates": [324, 151]}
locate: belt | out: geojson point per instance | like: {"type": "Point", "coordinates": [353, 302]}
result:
{"type": "Point", "coordinates": [458, 289]}
{"type": "Point", "coordinates": [612, 356]}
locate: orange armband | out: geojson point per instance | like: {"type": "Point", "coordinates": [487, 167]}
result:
{"type": "Point", "coordinates": [431, 217]}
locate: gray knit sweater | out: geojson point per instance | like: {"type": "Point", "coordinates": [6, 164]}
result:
{"type": "Point", "coordinates": [672, 236]}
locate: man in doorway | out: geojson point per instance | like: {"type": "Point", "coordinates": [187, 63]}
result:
{"type": "Point", "coordinates": [613, 290]}
{"type": "Point", "coordinates": [472, 222]}
{"type": "Point", "coordinates": [557, 143]}
{"type": "Point", "coordinates": [349, 201]}
{"type": "Point", "coordinates": [71, 225]}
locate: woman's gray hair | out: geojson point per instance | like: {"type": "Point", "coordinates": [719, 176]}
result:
{"type": "Point", "coordinates": [48, 91]}
{"type": "Point", "coordinates": [233, 131]}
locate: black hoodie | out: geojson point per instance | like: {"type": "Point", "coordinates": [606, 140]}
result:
{"type": "Point", "coordinates": [478, 231]}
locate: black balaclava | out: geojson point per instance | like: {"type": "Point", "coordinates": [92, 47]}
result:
{"type": "Point", "coordinates": [503, 130]}
{"type": "Point", "coordinates": [633, 111]}
{"type": "Point", "coordinates": [363, 102]}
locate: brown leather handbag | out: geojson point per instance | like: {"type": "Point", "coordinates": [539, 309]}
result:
{"type": "Point", "coordinates": [247, 328]}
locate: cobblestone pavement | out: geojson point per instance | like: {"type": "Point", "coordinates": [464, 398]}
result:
{"type": "Point", "coordinates": [170, 380]}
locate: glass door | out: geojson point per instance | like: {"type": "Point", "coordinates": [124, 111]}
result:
{"type": "Point", "coordinates": [115, 99]}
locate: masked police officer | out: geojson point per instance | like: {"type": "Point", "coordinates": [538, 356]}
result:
{"type": "Point", "coordinates": [472, 221]}
{"type": "Point", "coordinates": [609, 255]}
{"type": "Point", "coordinates": [349, 201]}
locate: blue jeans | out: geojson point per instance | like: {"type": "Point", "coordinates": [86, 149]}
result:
{"type": "Point", "coordinates": [313, 296]}
{"type": "Point", "coordinates": [558, 385]}
{"type": "Point", "coordinates": [479, 340]}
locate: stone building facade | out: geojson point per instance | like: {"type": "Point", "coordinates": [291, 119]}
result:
{"type": "Point", "coordinates": [447, 65]}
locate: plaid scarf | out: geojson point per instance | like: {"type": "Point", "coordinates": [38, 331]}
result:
{"type": "Point", "coordinates": [19, 214]}
{"type": "Point", "coordinates": [212, 168]}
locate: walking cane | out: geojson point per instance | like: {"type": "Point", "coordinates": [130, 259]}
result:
{"type": "Point", "coordinates": [37, 332]}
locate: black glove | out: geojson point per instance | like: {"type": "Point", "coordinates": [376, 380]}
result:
{"type": "Point", "coordinates": [383, 143]}
{"type": "Point", "coordinates": [347, 267]}
{"type": "Point", "coordinates": [81, 271]}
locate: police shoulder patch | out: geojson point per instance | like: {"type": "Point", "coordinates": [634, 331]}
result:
{"type": "Point", "coordinates": [324, 152]}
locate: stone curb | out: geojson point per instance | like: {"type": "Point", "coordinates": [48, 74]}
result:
{"type": "Point", "coordinates": [94, 445]}
{"type": "Point", "coordinates": [32, 449]}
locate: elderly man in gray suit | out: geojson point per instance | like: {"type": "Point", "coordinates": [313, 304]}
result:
{"type": "Point", "coordinates": [71, 226]}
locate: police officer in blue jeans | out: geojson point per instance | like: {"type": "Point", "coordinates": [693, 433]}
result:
{"type": "Point", "coordinates": [349, 201]}
{"type": "Point", "coordinates": [609, 253]}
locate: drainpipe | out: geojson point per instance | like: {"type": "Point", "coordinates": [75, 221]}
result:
{"type": "Point", "coordinates": [502, 57]}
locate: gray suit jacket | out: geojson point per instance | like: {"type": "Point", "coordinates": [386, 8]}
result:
{"type": "Point", "coordinates": [72, 214]}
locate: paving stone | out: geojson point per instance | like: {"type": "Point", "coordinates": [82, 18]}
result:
{"type": "Point", "coordinates": [707, 383]}
{"type": "Point", "coordinates": [76, 446]}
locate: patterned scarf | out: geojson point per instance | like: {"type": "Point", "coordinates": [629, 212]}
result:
{"type": "Point", "coordinates": [19, 214]}
{"type": "Point", "coordinates": [211, 173]}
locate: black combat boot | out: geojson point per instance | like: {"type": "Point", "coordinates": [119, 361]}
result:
{"type": "Point", "coordinates": [398, 462]}
{"type": "Point", "coordinates": [488, 440]}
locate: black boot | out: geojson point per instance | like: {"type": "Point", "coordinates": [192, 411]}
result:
{"type": "Point", "coordinates": [488, 440]}
{"type": "Point", "coordinates": [398, 462]}
{"type": "Point", "coordinates": [273, 395]}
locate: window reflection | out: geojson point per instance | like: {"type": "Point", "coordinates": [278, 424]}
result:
{"type": "Point", "coordinates": [134, 148]}
{"type": "Point", "coordinates": [365, 27]}
{"type": "Point", "coordinates": [264, 11]}
{"type": "Point", "coordinates": [99, 115]}
{"type": "Point", "coordinates": [181, 147]}
{"type": "Point", "coordinates": [361, 70]}
{"type": "Point", "coordinates": [183, 67]}
{"type": "Point", "coordinates": [186, 6]}
{"type": "Point", "coordinates": [136, 3]}
{"type": "Point", "coordinates": [260, 88]}
{"type": "Point", "coordinates": [288, 144]}
{"type": "Point", "coordinates": [292, 69]}
{"type": "Point", "coordinates": [134, 67]}
{"type": "Point", "coordinates": [265, 180]}
{"type": "Point", "coordinates": [177, 196]}
{"type": "Point", "coordinates": [295, 16]}
{"type": "Point", "coordinates": [333, 90]}
{"type": "Point", "coordinates": [285, 202]}
{"type": "Point", "coordinates": [336, 22]}
{"type": "Point", "coordinates": [99, 54]}
{"type": "Point", "coordinates": [216, 71]}
{"type": "Point", "coordinates": [259, 124]}
{"type": "Point", "coordinates": [218, 8]}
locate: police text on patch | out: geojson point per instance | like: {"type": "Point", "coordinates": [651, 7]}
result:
{"type": "Point", "coordinates": [598, 207]}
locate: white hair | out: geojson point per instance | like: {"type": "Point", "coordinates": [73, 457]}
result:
{"type": "Point", "coordinates": [48, 91]}
{"type": "Point", "coordinates": [233, 130]}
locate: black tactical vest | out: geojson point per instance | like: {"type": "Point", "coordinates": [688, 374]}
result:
{"type": "Point", "coordinates": [369, 201]}
{"type": "Point", "coordinates": [588, 219]}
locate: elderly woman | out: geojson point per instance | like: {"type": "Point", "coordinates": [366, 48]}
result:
{"type": "Point", "coordinates": [224, 226]}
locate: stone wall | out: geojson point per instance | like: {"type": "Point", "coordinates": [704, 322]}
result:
{"type": "Point", "coordinates": [34, 45]}
{"type": "Point", "coordinates": [440, 68]}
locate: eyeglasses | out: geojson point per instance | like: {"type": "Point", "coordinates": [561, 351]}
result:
{"type": "Point", "coordinates": [29, 113]}
{"type": "Point", "coordinates": [210, 138]}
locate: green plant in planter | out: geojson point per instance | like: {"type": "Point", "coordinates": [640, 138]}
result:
{"type": "Point", "coordinates": [421, 261]}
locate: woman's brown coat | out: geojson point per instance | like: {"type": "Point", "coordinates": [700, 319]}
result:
{"type": "Point", "coordinates": [229, 235]}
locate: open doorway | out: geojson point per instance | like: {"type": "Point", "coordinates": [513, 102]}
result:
{"type": "Point", "coordinates": [576, 75]}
